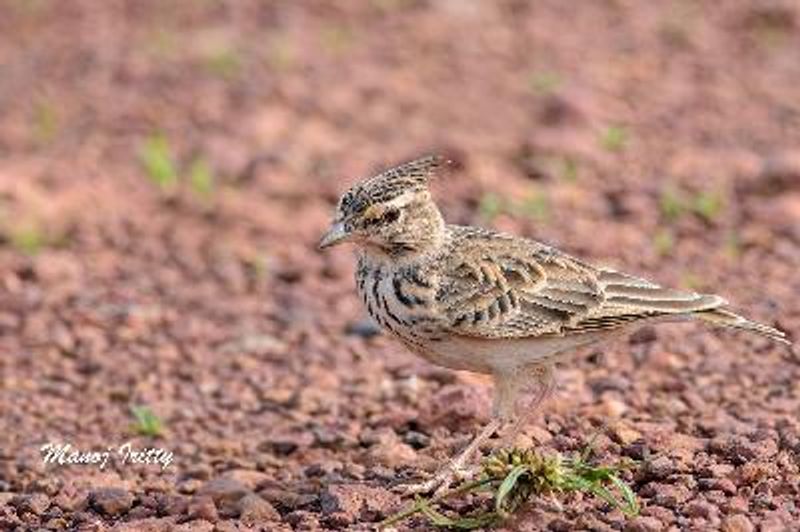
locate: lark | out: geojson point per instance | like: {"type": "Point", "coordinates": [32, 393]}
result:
{"type": "Point", "coordinates": [474, 299]}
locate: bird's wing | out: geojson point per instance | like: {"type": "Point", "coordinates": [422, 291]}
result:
{"type": "Point", "coordinates": [499, 286]}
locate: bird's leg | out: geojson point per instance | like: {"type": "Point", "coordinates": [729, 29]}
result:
{"type": "Point", "coordinates": [518, 395]}
{"type": "Point", "coordinates": [513, 404]}
{"type": "Point", "coordinates": [456, 468]}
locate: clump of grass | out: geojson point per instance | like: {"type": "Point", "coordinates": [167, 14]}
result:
{"type": "Point", "coordinates": [535, 205]}
{"type": "Point", "coordinates": [280, 54]}
{"type": "Point", "coordinates": [164, 171]}
{"type": "Point", "coordinates": [491, 206]}
{"type": "Point", "coordinates": [337, 38]}
{"type": "Point", "coordinates": [708, 204]}
{"type": "Point", "coordinates": [672, 204]}
{"type": "Point", "coordinates": [664, 242]}
{"type": "Point", "coordinates": [45, 122]}
{"type": "Point", "coordinates": [615, 138]}
{"type": "Point", "coordinates": [545, 83]}
{"type": "Point", "coordinates": [146, 422]}
{"type": "Point", "coordinates": [691, 281]}
{"type": "Point", "coordinates": [201, 178]}
{"type": "Point", "coordinates": [732, 245]}
{"type": "Point", "coordinates": [675, 203]}
{"type": "Point", "coordinates": [569, 169]}
{"type": "Point", "coordinates": [159, 163]}
{"type": "Point", "coordinates": [28, 239]}
{"type": "Point", "coordinates": [514, 476]}
{"type": "Point", "coordinates": [224, 63]}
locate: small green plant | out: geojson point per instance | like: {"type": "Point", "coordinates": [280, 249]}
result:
{"type": "Point", "coordinates": [675, 203]}
{"type": "Point", "coordinates": [146, 422]}
{"type": "Point", "coordinates": [224, 63]}
{"type": "Point", "coordinates": [337, 38]}
{"type": "Point", "coordinates": [45, 122]}
{"type": "Point", "coordinates": [672, 204]}
{"type": "Point", "coordinates": [535, 206]}
{"type": "Point", "coordinates": [201, 178]}
{"type": "Point", "coordinates": [159, 164]}
{"type": "Point", "coordinates": [732, 245]}
{"type": "Point", "coordinates": [513, 476]}
{"type": "Point", "coordinates": [28, 239]}
{"type": "Point", "coordinates": [708, 205]}
{"type": "Point", "coordinates": [491, 206]}
{"type": "Point", "coordinates": [691, 281]}
{"type": "Point", "coordinates": [280, 54]}
{"type": "Point", "coordinates": [664, 242]}
{"type": "Point", "coordinates": [569, 169]}
{"type": "Point", "coordinates": [615, 138]}
{"type": "Point", "coordinates": [545, 82]}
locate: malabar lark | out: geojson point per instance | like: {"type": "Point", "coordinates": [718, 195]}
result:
{"type": "Point", "coordinates": [473, 299]}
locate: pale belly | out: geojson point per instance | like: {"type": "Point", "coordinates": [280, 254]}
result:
{"type": "Point", "coordinates": [501, 355]}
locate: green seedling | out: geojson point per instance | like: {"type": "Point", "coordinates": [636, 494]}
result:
{"type": "Point", "coordinates": [337, 38]}
{"type": "Point", "coordinates": [708, 205]}
{"type": "Point", "coordinates": [534, 206]}
{"type": "Point", "coordinates": [513, 476]}
{"type": "Point", "coordinates": [491, 206]}
{"type": "Point", "coordinates": [545, 83]}
{"type": "Point", "coordinates": [675, 203]}
{"type": "Point", "coordinates": [280, 54]}
{"type": "Point", "coordinates": [615, 138]}
{"type": "Point", "coordinates": [146, 422]}
{"type": "Point", "coordinates": [672, 204]}
{"type": "Point", "coordinates": [28, 239]}
{"type": "Point", "coordinates": [569, 169]}
{"type": "Point", "coordinates": [159, 164]}
{"type": "Point", "coordinates": [45, 122]}
{"type": "Point", "coordinates": [732, 245]}
{"type": "Point", "coordinates": [664, 242]}
{"type": "Point", "coordinates": [224, 63]}
{"type": "Point", "coordinates": [691, 281]}
{"type": "Point", "coordinates": [201, 178]}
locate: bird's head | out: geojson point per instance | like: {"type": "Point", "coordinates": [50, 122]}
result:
{"type": "Point", "coordinates": [390, 214]}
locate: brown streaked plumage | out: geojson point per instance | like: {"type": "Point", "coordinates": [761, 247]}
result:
{"type": "Point", "coordinates": [478, 300]}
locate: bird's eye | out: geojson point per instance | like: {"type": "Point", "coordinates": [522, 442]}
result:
{"type": "Point", "coordinates": [390, 216]}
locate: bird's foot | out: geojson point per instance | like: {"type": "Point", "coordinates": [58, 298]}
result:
{"type": "Point", "coordinates": [441, 481]}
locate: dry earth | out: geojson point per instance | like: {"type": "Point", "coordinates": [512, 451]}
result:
{"type": "Point", "coordinates": [660, 137]}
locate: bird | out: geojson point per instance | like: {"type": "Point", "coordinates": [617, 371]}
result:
{"type": "Point", "coordinates": [474, 299]}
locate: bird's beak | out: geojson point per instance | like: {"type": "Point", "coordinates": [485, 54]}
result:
{"type": "Point", "coordinates": [335, 235]}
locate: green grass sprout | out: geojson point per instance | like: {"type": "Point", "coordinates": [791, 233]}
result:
{"type": "Point", "coordinates": [29, 238]}
{"type": "Point", "coordinates": [535, 205]}
{"type": "Point", "coordinates": [708, 205]}
{"type": "Point", "coordinates": [514, 476]}
{"type": "Point", "coordinates": [45, 122]}
{"type": "Point", "coordinates": [545, 82]}
{"type": "Point", "coordinates": [672, 204]}
{"type": "Point", "coordinates": [664, 242]}
{"type": "Point", "coordinates": [615, 138]}
{"type": "Point", "coordinates": [146, 422]}
{"type": "Point", "coordinates": [201, 178]}
{"type": "Point", "coordinates": [491, 206]}
{"type": "Point", "coordinates": [159, 164]}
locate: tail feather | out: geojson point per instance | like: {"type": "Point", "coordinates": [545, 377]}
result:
{"type": "Point", "coordinates": [726, 318]}
{"type": "Point", "coordinates": [629, 295]}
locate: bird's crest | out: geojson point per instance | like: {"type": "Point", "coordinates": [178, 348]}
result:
{"type": "Point", "coordinates": [397, 181]}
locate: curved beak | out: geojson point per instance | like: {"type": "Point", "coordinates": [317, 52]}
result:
{"type": "Point", "coordinates": [336, 235]}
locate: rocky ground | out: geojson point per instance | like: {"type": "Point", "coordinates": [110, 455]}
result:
{"type": "Point", "coordinates": [166, 169]}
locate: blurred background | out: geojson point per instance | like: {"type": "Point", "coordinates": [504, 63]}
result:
{"type": "Point", "coordinates": [167, 167]}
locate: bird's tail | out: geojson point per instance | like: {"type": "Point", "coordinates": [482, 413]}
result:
{"type": "Point", "coordinates": [634, 295]}
{"type": "Point", "coordinates": [726, 318]}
